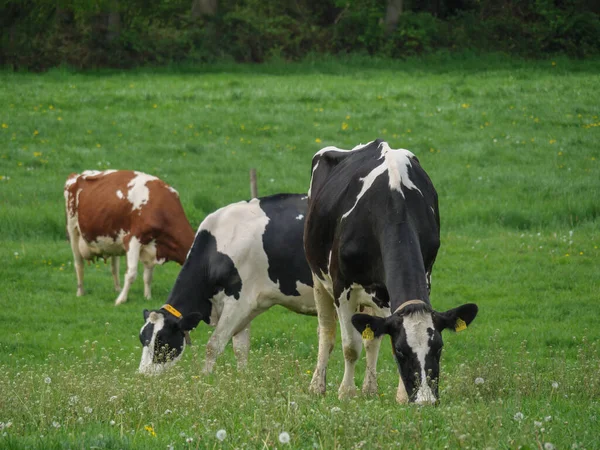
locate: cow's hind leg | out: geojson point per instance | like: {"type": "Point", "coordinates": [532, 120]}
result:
{"type": "Point", "coordinates": [114, 268]}
{"type": "Point", "coordinates": [236, 315]}
{"type": "Point", "coordinates": [74, 238]}
{"type": "Point", "coordinates": [352, 344]}
{"type": "Point", "coordinates": [133, 247]}
{"type": "Point", "coordinates": [241, 347]}
{"type": "Point", "coordinates": [326, 314]}
{"type": "Point", "coordinates": [148, 270]}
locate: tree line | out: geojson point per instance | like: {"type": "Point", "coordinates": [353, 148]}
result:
{"type": "Point", "coordinates": [38, 34]}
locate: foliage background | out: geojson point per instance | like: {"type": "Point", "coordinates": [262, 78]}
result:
{"type": "Point", "coordinates": [98, 33]}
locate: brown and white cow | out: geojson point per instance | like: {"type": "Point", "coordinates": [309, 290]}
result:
{"type": "Point", "coordinates": [122, 212]}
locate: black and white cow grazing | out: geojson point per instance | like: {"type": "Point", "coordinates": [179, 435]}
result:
{"type": "Point", "coordinates": [246, 257]}
{"type": "Point", "coordinates": [371, 237]}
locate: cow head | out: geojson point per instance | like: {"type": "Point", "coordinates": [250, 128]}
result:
{"type": "Point", "coordinates": [416, 334]}
{"type": "Point", "coordinates": [163, 339]}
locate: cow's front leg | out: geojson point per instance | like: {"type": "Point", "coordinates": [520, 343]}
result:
{"type": "Point", "coordinates": [133, 248]}
{"type": "Point", "coordinates": [236, 315]}
{"type": "Point", "coordinates": [326, 314]}
{"type": "Point", "coordinates": [369, 386]}
{"type": "Point", "coordinates": [352, 344]}
{"type": "Point", "coordinates": [241, 347]}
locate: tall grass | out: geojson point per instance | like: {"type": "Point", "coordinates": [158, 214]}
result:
{"type": "Point", "coordinates": [511, 147]}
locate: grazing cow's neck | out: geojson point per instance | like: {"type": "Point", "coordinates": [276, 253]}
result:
{"type": "Point", "coordinates": [405, 274]}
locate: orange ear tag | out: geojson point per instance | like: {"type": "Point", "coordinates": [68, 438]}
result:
{"type": "Point", "coordinates": [368, 334]}
{"type": "Point", "coordinates": [460, 325]}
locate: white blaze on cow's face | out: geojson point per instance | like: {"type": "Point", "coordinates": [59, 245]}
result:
{"type": "Point", "coordinates": [163, 343]}
{"type": "Point", "coordinates": [416, 336]}
{"type": "Point", "coordinates": [417, 351]}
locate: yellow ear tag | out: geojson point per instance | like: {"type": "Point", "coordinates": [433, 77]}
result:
{"type": "Point", "coordinates": [368, 334]}
{"type": "Point", "coordinates": [460, 325]}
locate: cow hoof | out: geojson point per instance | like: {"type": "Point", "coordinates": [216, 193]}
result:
{"type": "Point", "coordinates": [369, 389]}
{"type": "Point", "coordinates": [80, 292]}
{"type": "Point", "coordinates": [120, 300]}
{"type": "Point", "coordinates": [317, 389]}
{"type": "Point", "coordinates": [346, 392]}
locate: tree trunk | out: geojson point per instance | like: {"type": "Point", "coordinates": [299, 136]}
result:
{"type": "Point", "coordinates": [392, 15]}
{"type": "Point", "coordinates": [204, 8]}
{"type": "Point", "coordinates": [113, 25]}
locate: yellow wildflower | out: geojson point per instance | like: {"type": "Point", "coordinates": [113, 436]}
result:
{"type": "Point", "coordinates": [4, 125]}
{"type": "Point", "coordinates": [318, 141]}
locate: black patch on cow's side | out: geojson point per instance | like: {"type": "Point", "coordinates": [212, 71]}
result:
{"type": "Point", "coordinates": [282, 241]}
{"type": "Point", "coordinates": [205, 273]}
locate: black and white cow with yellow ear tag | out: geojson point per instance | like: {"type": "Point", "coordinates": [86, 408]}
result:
{"type": "Point", "coordinates": [371, 237]}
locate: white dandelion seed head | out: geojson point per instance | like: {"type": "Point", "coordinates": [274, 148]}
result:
{"type": "Point", "coordinates": [284, 438]}
{"type": "Point", "coordinates": [537, 424]}
{"type": "Point", "coordinates": [549, 446]}
{"type": "Point", "coordinates": [47, 380]}
{"type": "Point", "coordinates": [221, 435]}
{"type": "Point", "coordinates": [73, 400]}
{"type": "Point", "coordinates": [167, 412]}
{"type": "Point", "coordinates": [336, 409]}
{"type": "Point", "coordinates": [519, 416]}
{"type": "Point", "coordinates": [88, 410]}
{"type": "Point", "coordinates": [548, 418]}
{"type": "Point", "coordinates": [112, 422]}
{"type": "Point", "coordinates": [113, 398]}
{"type": "Point", "coordinates": [170, 447]}
{"type": "Point", "coordinates": [80, 420]}
{"type": "Point", "coordinates": [56, 424]}
{"type": "Point", "coordinates": [554, 385]}
{"type": "Point", "coordinates": [188, 440]}
{"type": "Point", "coordinates": [479, 380]}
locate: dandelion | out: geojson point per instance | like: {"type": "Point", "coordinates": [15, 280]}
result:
{"type": "Point", "coordinates": [88, 410]}
{"type": "Point", "coordinates": [336, 409]}
{"type": "Point", "coordinates": [36, 132]}
{"type": "Point", "coordinates": [170, 447]}
{"type": "Point", "coordinates": [190, 439]}
{"type": "Point", "coordinates": [4, 125]}
{"type": "Point", "coordinates": [284, 438]}
{"type": "Point", "coordinates": [554, 385]}
{"type": "Point", "coordinates": [73, 400]}
{"type": "Point", "coordinates": [465, 105]}
{"type": "Point", "coordinates": [552, 141]}
{"type": "Point", "coordinates": [113, 398]}
{"type": "Point", "coordinates": [344, 126]}
{"type": "Point", "coordinates": [112, 422]}
{"type": "Point", "coordinates": [537, 424]}
{"type": "Point", "coordinates": [47, 380]}
{"type": "Point", "coordinates": [155, 106]}
{"type": "Point", "coordinates": [318, 141]}
{"type": "Point", "coordinates": [221, 435]}
{"type": "Point", "coordinates": [150, 430]}
{"type": "Point", "coordinates": [479, 380]}
{"type": "Point", "coordinates": [548, 418]}
{"type": "Point", "coordinates": [56, 424]}
{"type": "Point", "coordinates": [549, 446]}
{"type": "Point", "coordinates": [167, 412]}
{"type": "Point", "coordinates": [519, 416]}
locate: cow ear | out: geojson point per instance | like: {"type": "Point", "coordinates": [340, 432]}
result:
{"type": "Point", "coordinates": [190, 321]}
{"type": "Point", "coordinates": [456, 319]}
{"type": "Point", "coordinates": [377, 324]}
{"type": "Point", "coordinates": [146, 314]}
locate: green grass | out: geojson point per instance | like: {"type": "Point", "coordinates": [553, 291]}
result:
{"type": "Point", "coordinates": [512, 148]}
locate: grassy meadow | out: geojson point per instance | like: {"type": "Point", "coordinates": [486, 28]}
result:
{"type": "Point", "coordinates": [513, 150]}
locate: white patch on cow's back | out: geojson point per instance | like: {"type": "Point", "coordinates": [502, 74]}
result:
{"type": "Point", "coordinates": [238, 229]}
{"type": "Point", "coordinates": [397, 162]}
{"type": "Point", "coordinates": [138, 193]}
{"type": "Point", "coordinates": [418, 339]}
{"type": "Point", "coordinates": [120, 194]}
